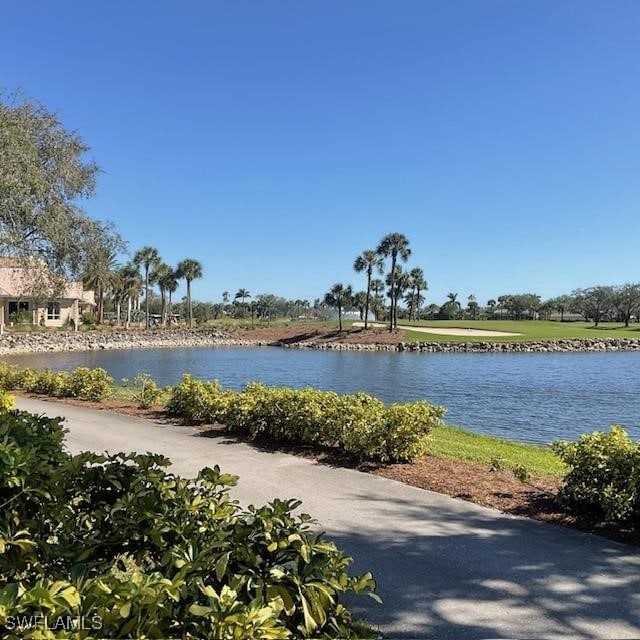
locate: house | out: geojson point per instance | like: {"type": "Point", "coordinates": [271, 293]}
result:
{"type": "Point", "coordinates": [19, 303]}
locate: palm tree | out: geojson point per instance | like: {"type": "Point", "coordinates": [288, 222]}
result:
{"type": "Point", "coordinates": [146, 258]}
{"type": "Point", "coordinates": [159, 276]}
{"type": "Point", "coordinates": [472, 306]}
{"type": "Point", "coordinates": [398, 283]}
{"type": "Point", "coordinates": [99, 275]}
{"type": "Point", "coordinates": [452, 306]}
{"type": "Point", "coordinates": [418, 284]}
{"type": "Point", "coordinates": [225, 297]}
{"type": "Point", "coordinates": [190, 270]}
{"type": "Point", "coordinates": [242, 294]}
{"type": "Point", "coordinates": [339, 297]}
{"type": "Point", "coordinates": [169, 283]}
{"type": "Point", "coordinates": [368, 261]}
{"type": "Point", "coordinates": [394, 245]}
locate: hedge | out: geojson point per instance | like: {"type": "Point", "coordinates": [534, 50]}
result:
{"type": "Point", "coordinates": [357, 423]}
{"type": "Point", "coordinates": [82, 383]}
{"type": "Point", "coordinates": [120, 547]}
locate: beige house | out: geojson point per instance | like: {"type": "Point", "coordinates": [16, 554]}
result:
{"type": "Point", "coordinates": [19, 303]}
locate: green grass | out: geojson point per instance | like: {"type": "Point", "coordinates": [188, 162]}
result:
{"type": "Point", "coordinates": [458, 444]}
{"type": "Point", "coordinates": [530, 330]}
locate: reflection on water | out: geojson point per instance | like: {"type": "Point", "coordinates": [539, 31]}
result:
{"type": "Point", "coordinates": [530, 397]}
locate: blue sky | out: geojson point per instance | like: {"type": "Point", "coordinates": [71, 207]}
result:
{"type": "Point", "coordinates": [275, 140]}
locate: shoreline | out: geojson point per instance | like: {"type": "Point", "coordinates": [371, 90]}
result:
{"type": "Point", "coordinates": [58, 342]}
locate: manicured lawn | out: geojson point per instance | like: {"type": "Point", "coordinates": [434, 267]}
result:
{"type": "Point", "coordinates": [530, 330]}
{"type": "Point", "coordinates": [457, 444]}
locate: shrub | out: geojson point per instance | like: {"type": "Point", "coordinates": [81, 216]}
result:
{"type": "Point", "coordinates": [89, 384]}
{"type": "Point", "coordinates": [122, 544]}
{"type": "Point", "coordinates": [358, 423]}
{"type": "Point", "coordinates": [147, 392]}
{"type": "Point", "coordinates": [87, 319]}
{"type": "Point", "coordinates": [604, 475]}
{"type": "Point", "coordinates": [51, 383]}
{"type": "Point", "coordinates": [9, 377]}
{"type": "Point", "coordinates": [7, 401]}
{"type": "Point", "coordinates": [197, 401]}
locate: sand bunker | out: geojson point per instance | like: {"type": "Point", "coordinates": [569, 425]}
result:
{"type": "Point", "coordinates": [446, 331]}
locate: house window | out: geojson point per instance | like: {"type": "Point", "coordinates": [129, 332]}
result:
{"type": "Point", "coordinates": [17, 306]}
{"type": "Point", "coordinates": [53, 311]}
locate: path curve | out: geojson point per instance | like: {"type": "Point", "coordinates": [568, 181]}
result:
{"type": "Point", "coordinates": [445, 568]}
{"type": "Point", "coordinates": [445, 331]}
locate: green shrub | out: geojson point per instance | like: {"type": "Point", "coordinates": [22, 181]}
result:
{"type": "Point", "coordinates": [89, 384]}
{"type": "Point", "coordinates": [604, 474]}
{"type": "Point", "coordinates": [197, 401]}
{"type": "Point", "coordinates": [147, 392]}
{"type": "Point", "coordinates": [7, 401]}
{"type": "Point", "coordinates": [9, 376]}
{"type": "Point", "coordinates": [358, 423]}
{"type": "Point", "coordinates": [51, 383]}
{"type": "Point", "coordinates": [122, 544]}
{"type": "Point", "coordinates": [87, 319]}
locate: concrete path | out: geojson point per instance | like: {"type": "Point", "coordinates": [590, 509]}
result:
{"type": "Point", "coordinates": [445, 568]}
{"type": "Point", "coordinates": [444, 331]}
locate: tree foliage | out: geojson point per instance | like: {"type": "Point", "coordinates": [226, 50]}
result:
{"type": "Point", "coordinates": [44, 175]}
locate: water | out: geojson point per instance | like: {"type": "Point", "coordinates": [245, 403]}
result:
{"type": "Point", "coordinates": [528, 397]}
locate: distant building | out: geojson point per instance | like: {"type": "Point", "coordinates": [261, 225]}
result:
{"type": "Point", "coordinates": [20, 305]}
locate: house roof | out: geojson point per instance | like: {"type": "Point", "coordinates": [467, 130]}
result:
{"type": "Point", "coordinates": [16, 283]}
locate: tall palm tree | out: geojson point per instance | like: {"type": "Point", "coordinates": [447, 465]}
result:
{"type": "Point", "coordinates": [170, 285]}
{"type": "Point", "coordinates": [147, 257]}
{"type": "Point", "coordinates": [418, 284]}
{"type": "Point", "coordinates": [159, 276]}
{"type": "Point", "coordinates": [368, 261]}
{"type": "Point", "coordinates": [190, 270]}
{"type": "Point", "coordinates": [131, 287]}
{"type": "Point", "coordinates": [242, 294]}
{"type": "Point", "coordinates": [99, 275]}
{"type": "Point", "coordinates": [398, 283]}
{"type": "Point", "coordinates": [394, 246]}
{"type": "Point", "coordinates": [339, 297]}
{"type": "Point", "coordinates": [377, 288]}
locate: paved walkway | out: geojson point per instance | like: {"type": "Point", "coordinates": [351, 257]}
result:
{"type": "Point", "coordinates": [446, 568]}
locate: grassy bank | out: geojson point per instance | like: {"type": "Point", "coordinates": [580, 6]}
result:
{"type": "Point", "coordinates": [529, 330]}
{"type": "Point", "coordinates": [454, 443]}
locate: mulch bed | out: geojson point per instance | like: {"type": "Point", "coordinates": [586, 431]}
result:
{"type": "Point", "coordinates": [474, 482]}
{"type": "Point", "coordinates": [319, 334]}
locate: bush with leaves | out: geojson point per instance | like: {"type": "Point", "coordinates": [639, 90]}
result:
{"type": "Point", "coordinates": [7, 401]}
{"type": "Point", "coordinates": [357, 423]}
{"type": "Point", "coordinates": [83, 383]}
{"type": "Point", "coordinates": [132, 550]}
{"type": "Point", "coordinates": [604, 474]}
{"type": "Point", "coordinates": [197, 401]}
{"type": "Point", "coordinates": [147, 392]}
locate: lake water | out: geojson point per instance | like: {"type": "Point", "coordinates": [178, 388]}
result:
{"type": "Point", "coordinates": [528, 397]}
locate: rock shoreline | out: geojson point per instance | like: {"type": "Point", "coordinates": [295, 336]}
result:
{"type": "Point", "coordinates": [26, 343]}
{"type": "Point", "coordinates": [586, 345]}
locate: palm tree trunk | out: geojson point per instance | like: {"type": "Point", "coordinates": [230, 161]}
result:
{"type": "Point", "coordinates": [393, 287]}
{"type": "Point", "coordinates": [189, 304]}
{"type": "Point", "coordinates": [340, 318]}
{"type": "Point", "coordinates": [128, 311]}
{"type": "Point", "coordinates": [366, 304]}
{"type": "Point", "coordinates": [118, 312]}
{"type": "Point", "coordinates": [170, 309]}
{"type": "Point", "coordinates": [146, 294]}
